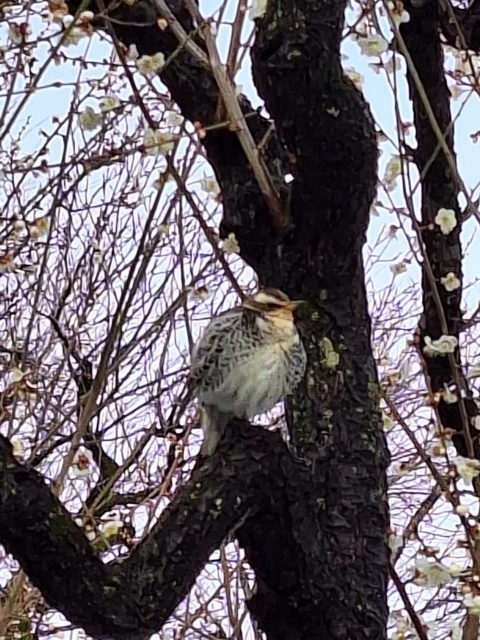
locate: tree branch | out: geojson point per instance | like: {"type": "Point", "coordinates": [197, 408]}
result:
{"type": "Point", "coordinates": [461, 27]}
{"type": "Point", "coordinates": [441, 308]}
{"type": "Point", "coordinates": [245, 478]}
{"type": "Point", "coordinates": [231, 106]}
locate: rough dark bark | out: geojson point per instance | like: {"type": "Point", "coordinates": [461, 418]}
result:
{"type": "Point", "coordinates": [313, 525]}
{"type": "Point", "coordinates": [439, 189]}
{"type": "Point", "coordinates": [326, 127]}
{"type": "Point", "coordinates": [252, 480]}
{"type": "Point", "coordinates": [460, 26]}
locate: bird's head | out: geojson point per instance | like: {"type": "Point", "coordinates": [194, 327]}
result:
{"type": "Point", "coordinates": [271, 302]}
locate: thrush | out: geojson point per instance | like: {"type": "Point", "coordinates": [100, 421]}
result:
{"type": "Point", "coordinates": [247, 360]}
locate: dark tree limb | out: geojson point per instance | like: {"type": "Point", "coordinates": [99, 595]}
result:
{"type": "Point", "coordinates": [242, 484]}
{"type": "Point", "coordinates": [461, 27]}
{"type": "Point", "coordinates": [439, 190]}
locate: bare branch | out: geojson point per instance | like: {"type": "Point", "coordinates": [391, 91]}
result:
{"type": "Point", "coordinates": [442, 313]}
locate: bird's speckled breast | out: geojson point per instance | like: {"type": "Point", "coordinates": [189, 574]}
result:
{"type": "Point", "coordinates": [256, 384]}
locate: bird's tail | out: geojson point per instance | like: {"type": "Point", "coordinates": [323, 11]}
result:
{"type": "Point", "coordinates": [214, 423]}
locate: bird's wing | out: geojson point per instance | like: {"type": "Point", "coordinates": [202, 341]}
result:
{"type": "Point", "coordinates": [218, 350]}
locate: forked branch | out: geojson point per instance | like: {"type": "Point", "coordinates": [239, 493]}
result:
{"type": "Point", "coordinates": [134, 598]}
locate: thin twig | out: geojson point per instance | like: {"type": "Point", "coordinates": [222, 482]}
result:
{"type": "Point", "coordinates": [232, 65]}
{"type": "Point", "coordinates": [234, 112]}
{"type": "Point", "coordinates": [419, 628]}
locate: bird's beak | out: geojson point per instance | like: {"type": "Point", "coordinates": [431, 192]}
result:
{"type": "Point", "coordinates": [293, 304]}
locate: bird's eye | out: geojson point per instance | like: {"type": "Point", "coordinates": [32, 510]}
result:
{"type": "Point", "coordinates": [271, 306]}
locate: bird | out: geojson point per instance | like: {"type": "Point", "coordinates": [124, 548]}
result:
{"type": "Point", "coordinates": [247, 359]}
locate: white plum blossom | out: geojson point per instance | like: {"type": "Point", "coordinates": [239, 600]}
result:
{"type": "Point", "coordinates": [17, 375]}
{"type": "Point", "coordinates": [403, 626]}
{"type": "Point", "coordinates": [15, 33]}
{"type": "Point", "coordinates": [474, 372]}
{"type": "Point", "coordinates": [18, 447]}
{"type": "Point", "coordinates": [387, 421]}
{"type": "Point", "coordinates": [149, 65]}
{"type": "Point", "coordinates": [403, 17]}
{"type": "Point", "coordinates": [111, 527]}
{"type": "Point", "coordinates": [57, 10]}
{"type": "Point", "coordinates": [210, 185]}
{"type": "Point", "coordinates": [157, 142]}
{"type": "Point", "coordinates": [400, 15]}
{"type": "Point", "coordinates": [132, 52]}
{"type": "Point", "coordinates": [373, 45]}
{"type": "Point", "coordinates": [75, 33]}
{"type": "Point", "coordinates": [456, 632]}
{"type": "Point", "coordinates": [446, 220]}
{"type": "Point", "coordinates": [456, 91]}
{"type": "Point", "coordinates": [90, 533]}
{"type": "Point", "coordinates": [467, 468]}
{"type": "Point", "coordinates": [19, 226]}
{"type": "Point", "coordinates": [82, 463]}
{"type": "Point", "coordinates": [174, 119]}
{"type": "Point", "coordinates": [19, 32]}
{"type": "Point", "coordinates": [259, 9]}
{"type": "Point", "coordinates": [392, 171]}
{"type": "Point", "coordinates": [472, 603]}
{"type": "Point", "coordinates": [89, 120]}
{"type": "Point", "coordinates": [355, 77]}
{"type": "Point", "coordinates": [162, 230]}
{"type": "Point", "coordinates": [437, 449]}
{"type": "Point", "coordinates": [430, 574]}
{"type": "Point", "coordinates": [73, 37]}
{"type": "Point", "coordinates": [450, 281]}
{"type": "Point", "coordinates": [455, 570]}
{"type": "Point", "coordinates": [441, 346]}
{"type": "Point", "coordinates": [395, 542]}
{"type": "Point", "coordinates": [7, 263]}
{"type": "Point", "coordinates": [230, 244]}
{"type": "Point", "coordinates": [109, 103]}
{"type": "Point", "coordinates": [449, 396]}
